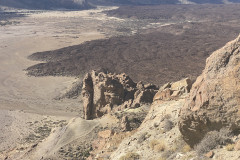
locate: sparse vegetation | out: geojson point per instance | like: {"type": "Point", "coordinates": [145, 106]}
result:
{"type": "Point", "coordinates": [157, 146]}
{"type": "Point", "coordinates": [165, 46]}
{"type": "Point", "coordinates": [186, 148]}
{"type": "Point", "coordinates": [212, 140]}
{"type": "Point", "coordinates": [168, 125]}
{"type": "Point", "coordinates": [160, 147]}
{"type": "Point", "coordinates": [166, 154]}
{"type": "Point", "coordinates": [153, 143]}
{"type": "Point", "coordinates": [42, 130]}
{"type": "Point", "coordinates": [130, 156]}
{"type": "Point", "coordinates": [179, 145]}
{"type": "Point", "coordinates": [230, 147]}
{"type": "Point", "coordinates": [118, 138]}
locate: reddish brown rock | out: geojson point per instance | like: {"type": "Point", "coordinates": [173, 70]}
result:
{"type": "Point", "coordinates": [237, 146]}
{"type": "Point", "coordinates": [105, 134]}
{"type": "Point", "coordinates": [210, 154]}
{"type": "Point", "coordinates": [214, 100]}
{"type": "Point", "coordinates": [173, 90]}
{"type": "Point", "coordinates": [163, 95]}
{"type": "Point", "coordinates": [104, 92]}
{"type": "Point", "coordinates": [101, 91]}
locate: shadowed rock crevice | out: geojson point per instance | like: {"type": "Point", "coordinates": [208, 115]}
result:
{"type": "Point", "coordinates": [87, 92]}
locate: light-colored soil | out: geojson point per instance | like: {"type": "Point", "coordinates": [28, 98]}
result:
{"type": "Point", "coordinates": [28, 111]}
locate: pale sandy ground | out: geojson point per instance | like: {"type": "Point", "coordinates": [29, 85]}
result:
{"type": "Point", "coordinates": [26, 103]}
{"type": "Point", "coordinates": [29, 100]}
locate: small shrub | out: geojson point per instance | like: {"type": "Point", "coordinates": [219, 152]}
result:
{"type": "Point", "coordinates": [130, 156]}
{"type": "Point", "coordinates": [142, 137]}
{"type": "Point", "coordinates": [212, 140]}
{"type": "Point", "coordinates": [186, 148]}
{"type": "Point", "coordinates": [167, 116]}
{"type": "Point", "coordinates": [160, 147]}
{"type": "Point", "coordinates": [153, 143]}
{"type": "Point", "coordinates": [118, 138]}
{"type": "Point", "coordinates": [157, 146]}
{"type": "Point", "coordinates": [168, 125]}
{"type": "Point", "coordinates": [166, 154]}
{"type": "Point", "coordinates": [230, 147]}
{"type": "Point", "coordinates": [178, 144]}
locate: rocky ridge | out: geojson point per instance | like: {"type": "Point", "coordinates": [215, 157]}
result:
{"type": "Point", "coordinates": [184, 121]}
{"type": "Point", "coordinates": [214, 99]}
{"type": "Point", "coordinates": [180, 120]}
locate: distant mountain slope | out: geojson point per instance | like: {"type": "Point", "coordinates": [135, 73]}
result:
{"type": "Point", "coordinates": [153, 2]}
{"type": "Point", "coordinates": [46, 4]}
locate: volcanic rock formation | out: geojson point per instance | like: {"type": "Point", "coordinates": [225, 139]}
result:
{"type": "Point", "coordinates": [102, 92]}
{"type": "Point", "coordinates": [215, 96]}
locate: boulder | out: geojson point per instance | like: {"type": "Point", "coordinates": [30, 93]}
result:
{"type": "Point", "coordinates": [173, 90]}
{"type": "Point", "coordinates": [182, 86]}
{"type": "Point", "coordinates": [210, 154]}
{"type": "Point", "coordinates": [143, 97]}
{"type": "Point", "coordinates": [237, 146]}
{"type": "Point", "coordinates": [163, 95]}
{"type": "Point", "coordinates": [214, 100]}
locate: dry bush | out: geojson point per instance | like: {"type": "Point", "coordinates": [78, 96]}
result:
{"type": "Point", "coordinates": [118, 138]}
{"type": "Point", "coordinates": [157, 146]}
{"type": "Point", "coordinates": [130, 156]}
{"type": "Point", "coordinates": [142, 137]}
{"type": "Point", "coordinates": [178, 145]}
{"type": "Point", "coordinates": [230, 147]}
{"type": "Point", "coordinates": [168, 125]}
{"type": "Point", "coordinates": [212, 140]}
{"type": "Point", "coordinates": [186, 148]}
{"type": "Point", "coordinates": [153, 143]}
{"type": "Point", "coordinates": [160, 147]}
{"type": "Point", "coordinates": [167, 116]}
{"type": "Point", "coordinates": [167, 154]}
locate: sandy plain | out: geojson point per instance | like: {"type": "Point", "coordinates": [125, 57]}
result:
{"type": "Point", "coordinates": [27, 103]}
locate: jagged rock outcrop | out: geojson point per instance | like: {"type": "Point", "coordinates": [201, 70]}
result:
{"type": "Point", "coordinates": [103, 92]}
{"type": "Point", "coordinates": [159, 126]}
{"type": "Point", "coordinates": [172, 90]}
{"type": "Point", "coordinates": [214, 100]}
